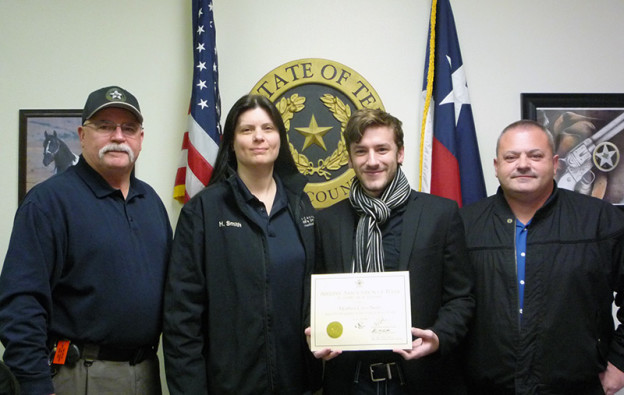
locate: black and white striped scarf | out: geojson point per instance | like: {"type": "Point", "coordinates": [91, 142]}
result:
{"type": "Point", "coordinates": [374, 212]}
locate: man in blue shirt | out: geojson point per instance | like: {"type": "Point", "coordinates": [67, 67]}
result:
{"type": "Point", "coordinates": [547, 262]}
{"type": "Point", "coordinates": [82, 283]}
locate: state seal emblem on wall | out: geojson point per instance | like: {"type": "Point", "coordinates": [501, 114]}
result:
{"type": "Point", "coordinates": [316, 98]}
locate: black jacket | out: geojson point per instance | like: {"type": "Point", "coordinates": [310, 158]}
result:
{"type": "Point", "coordinates": [432, 249]}
{"type": "Point", "coordinates": [574, 264]}
{"type": "Point", "coordinates": [218, 331]}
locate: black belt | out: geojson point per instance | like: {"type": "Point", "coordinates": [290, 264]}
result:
{"type": "Point", "coordinates": [104, 353]}
{"type": "Point", "coordinates": [87, 351]}
{"type": "Point", "coordinates": [380, 371]}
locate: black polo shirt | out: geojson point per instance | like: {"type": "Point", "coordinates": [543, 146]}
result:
{"type": "Point", "coordinates": [285, 276]}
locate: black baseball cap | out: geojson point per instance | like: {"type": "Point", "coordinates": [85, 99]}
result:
{"type": "Point", "coordinates": [111, 96]}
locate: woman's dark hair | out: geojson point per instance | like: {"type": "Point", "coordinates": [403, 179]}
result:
{"type": "Point", "coordinates": [226, 158]}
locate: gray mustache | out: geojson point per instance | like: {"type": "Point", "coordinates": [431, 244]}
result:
{"type": "Point", "coordinates": [117, 147]}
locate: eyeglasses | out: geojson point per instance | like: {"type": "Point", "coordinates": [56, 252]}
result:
{"type": "Point", "coordinates": [129, 129]}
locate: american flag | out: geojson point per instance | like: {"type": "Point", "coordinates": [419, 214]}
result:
{"type": "Point", "coordinates": [201, 140]}
{"type": "Point", "coordinates": [450, 162]}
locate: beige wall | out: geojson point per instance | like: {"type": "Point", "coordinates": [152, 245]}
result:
{"type": "Point", "coordinates": [53, 53]}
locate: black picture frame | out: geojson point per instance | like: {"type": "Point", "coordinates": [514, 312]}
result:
{"type": "Point", "coordinates": [60, 129]}
{"type": "Point", "coordinates": [586, 129]}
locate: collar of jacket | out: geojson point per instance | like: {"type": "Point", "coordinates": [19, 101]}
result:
{"type": "Point", "coordinates": [293, 182]}
{"type": "Point", "coordinates": [503, 207]}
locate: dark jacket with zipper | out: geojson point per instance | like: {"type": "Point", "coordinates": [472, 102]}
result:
{"type": "Point", "coordinates": [574, 264]}
{"type": "Point", "coordinates": [219, 331]}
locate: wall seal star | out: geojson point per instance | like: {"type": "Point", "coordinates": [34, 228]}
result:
{"type": "Point", "coordinates": [314, 134]}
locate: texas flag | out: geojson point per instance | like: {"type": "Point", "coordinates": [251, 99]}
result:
{"type": "Point", "coordinates": [450, 162]}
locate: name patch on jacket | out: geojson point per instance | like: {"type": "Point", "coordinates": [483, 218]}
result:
{"type": "Point", "coordinates": [224, 224]}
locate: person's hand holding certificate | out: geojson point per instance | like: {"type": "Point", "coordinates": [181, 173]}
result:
{"type": "Point", "coordinates": [360, 311]}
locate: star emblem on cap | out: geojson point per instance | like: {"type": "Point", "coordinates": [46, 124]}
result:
{"type": "Point", "coordinates": [116, 95]}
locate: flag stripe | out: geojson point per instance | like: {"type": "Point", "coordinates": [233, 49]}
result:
{"type": "Point", "coordinates": [198, 164]}
{"type": "Point", "coordinates": [193, 185]}
{"type": "Point", "coordinates": [447, 181]}
{"type": "Point", "coordinates": [180, 176]}
{"type": "Point", "coordinates": [201, 140]}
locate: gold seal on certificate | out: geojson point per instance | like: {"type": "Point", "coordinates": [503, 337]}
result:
{"type": "Point", "coordinates": [334, 329]}
{"type": "Point", "coordinates": [361, 311]}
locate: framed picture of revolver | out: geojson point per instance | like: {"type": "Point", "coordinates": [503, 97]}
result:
{"type": "Point", "coordinates": [588, 131]}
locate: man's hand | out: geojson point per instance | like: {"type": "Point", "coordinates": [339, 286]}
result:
{"type": "Point", "coordinates": [612, 379]}
{"type": "Point", "coordinates": [426, 343]}
{"type": "Point", "coordinates": [325, 354]}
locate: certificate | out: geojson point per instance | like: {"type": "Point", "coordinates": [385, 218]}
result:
{"type": "Point", "coordinates": [360, 311]}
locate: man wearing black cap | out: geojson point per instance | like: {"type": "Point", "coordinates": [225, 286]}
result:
{"type": "Point", "coordinates": [82, 281]}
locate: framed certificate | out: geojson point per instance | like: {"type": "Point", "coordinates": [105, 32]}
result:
{"type": "Point", "coordinates": [361, 311]}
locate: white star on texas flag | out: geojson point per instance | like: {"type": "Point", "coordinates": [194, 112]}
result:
{"type": "Point", "coordinates": [459, 95]}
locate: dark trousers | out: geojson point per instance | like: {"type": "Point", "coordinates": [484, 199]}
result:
{"type": "Point", "coordinates": [391, 381]}
{"type": "Point", "coordinates": [379, 388]}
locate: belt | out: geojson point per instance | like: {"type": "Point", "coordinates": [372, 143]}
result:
{"type": "Point", "coordinates": [88, 351]}
{"type": "Point", "coordinates": [380, 371]}
{"type": "Point", "coordinates": [104, 353]}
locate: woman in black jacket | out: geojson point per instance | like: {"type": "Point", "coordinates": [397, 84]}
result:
{"type": "Point", "coordinates": [237, 292]}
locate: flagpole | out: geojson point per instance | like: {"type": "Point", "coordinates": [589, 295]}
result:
{"type": "Point", "coordinates": [432, 23]}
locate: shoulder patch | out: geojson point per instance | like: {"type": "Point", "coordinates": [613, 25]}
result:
{"type": "Point", "coordinates": [307, 221]}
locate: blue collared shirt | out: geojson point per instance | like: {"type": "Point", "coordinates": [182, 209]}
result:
{"type": "Point", "coordinates": [521, 245]}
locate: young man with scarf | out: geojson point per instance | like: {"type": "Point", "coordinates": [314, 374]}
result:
{"type": "Point", "coordinates": [386, 226]}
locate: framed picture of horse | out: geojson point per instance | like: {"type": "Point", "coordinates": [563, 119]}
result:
{"type": "Point", "coordinates": [588, 131]}
{"type": "Point", "coordinates": [48, 144]}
